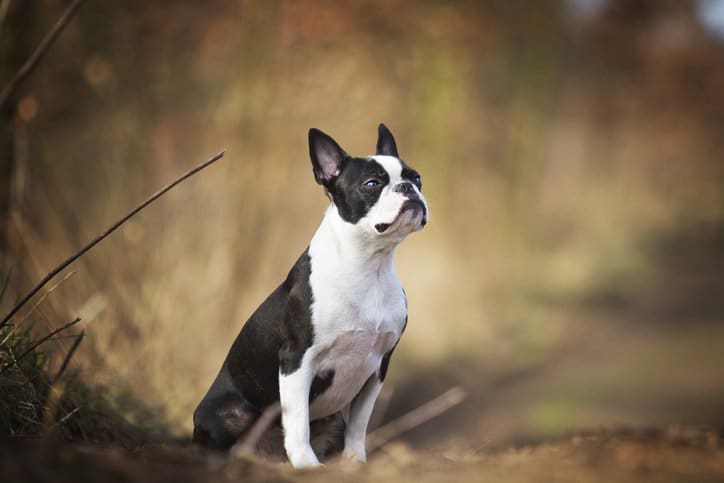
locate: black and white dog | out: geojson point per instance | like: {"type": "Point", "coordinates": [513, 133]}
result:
{"type": "Point", "coordinates": [321, 343]}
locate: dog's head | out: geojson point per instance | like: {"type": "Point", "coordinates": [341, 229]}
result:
{"type": "Point", "coordinates": [380, 195]}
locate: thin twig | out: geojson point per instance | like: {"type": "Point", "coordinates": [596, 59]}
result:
{"type": "Point", "coordinates": [69, 355]}
{"type": "Point", "coordinates": [65, 418]}
{"type": "Point", "coordinates": [248, 444]}
{"type": "Point", "coordinates": [381, 405]}
{"type": "Point", "coordinates": [38, 343]}
{"type": "Point", "coordinates": [416, 417]}
{"type": "Point", "coordinates": [108, 231]}
{"type": "Point", "coordinates": [33, 60]}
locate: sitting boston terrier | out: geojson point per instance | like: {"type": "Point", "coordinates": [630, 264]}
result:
{"type": "Point", "coordinates": [321, 343]}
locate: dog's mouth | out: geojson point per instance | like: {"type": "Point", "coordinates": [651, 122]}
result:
{"type": "Point", "coordinates": [382, 227]}
{"type": "Point", "coordinates": [413, 205]}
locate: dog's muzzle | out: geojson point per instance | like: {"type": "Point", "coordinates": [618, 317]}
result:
{"type": "Point", "coordinates": [409, 204]}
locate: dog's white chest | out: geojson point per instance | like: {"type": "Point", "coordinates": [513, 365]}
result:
{"type": "Point", "coordinates": [353, 356]}
{"type": "Point", "coordinates": [356, 320]}
{"type": "Point", "coordinates": [358, 311]}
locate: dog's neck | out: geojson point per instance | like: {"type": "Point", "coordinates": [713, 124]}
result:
{"type": "Point", "coordinates": [352, 250]}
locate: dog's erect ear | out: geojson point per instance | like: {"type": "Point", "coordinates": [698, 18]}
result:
{"type": "Point", "coordinates": [385, 142]}
{"type": "Point", "coordinates": [326, 156]}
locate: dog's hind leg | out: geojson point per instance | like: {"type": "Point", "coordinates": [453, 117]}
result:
{"type": "Point", "coordinates": [223, 415]}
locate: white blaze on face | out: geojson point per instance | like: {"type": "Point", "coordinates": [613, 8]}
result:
{"type": "Point", "coordinates": [387, 208]}
{"type": "Point", "coordinates": [392, 165]}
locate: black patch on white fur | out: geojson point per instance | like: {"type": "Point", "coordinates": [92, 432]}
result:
{"type": "Point", "coordinates": [349, 191]}
{"type": "Point", "coordinates": [297, 331]}
{"type": "Point", "coordinates": [320, 383]}
{"type": "Point", "coordinates": [385, 363]}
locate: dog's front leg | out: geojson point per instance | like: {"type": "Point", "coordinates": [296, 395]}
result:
{"type": "Point", "coordinates": [294, 398]}
{"type": "Point", "coordinates": [360, 411]}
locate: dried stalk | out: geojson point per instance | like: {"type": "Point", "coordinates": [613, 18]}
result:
{"type": "Point", "coordinates": [69, 356]}
{"type": "Point", "coordinates": [100, 237]}
{"type": "Point", "coordinates": [42, 298]}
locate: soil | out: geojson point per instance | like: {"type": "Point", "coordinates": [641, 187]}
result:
{"type": "Point", "coordinates": [628, 456]}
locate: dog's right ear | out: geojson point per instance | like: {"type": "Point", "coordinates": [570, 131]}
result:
{"type": "Point", "coordinates": [386, 142]}
{"type": "Point", "coordinates": [326, 156]}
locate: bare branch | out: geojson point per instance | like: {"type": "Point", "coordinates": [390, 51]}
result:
{"type": "Point", "coordinates": [33, 60]}
{"type": "Point", "coordinates": [100, 237]}
{"type": "Point", "coordinates": [416, 417]}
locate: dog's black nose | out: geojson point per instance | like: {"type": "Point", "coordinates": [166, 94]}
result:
{"type": "Point", "coordinates": [405, 188]}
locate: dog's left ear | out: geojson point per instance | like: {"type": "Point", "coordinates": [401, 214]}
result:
{"type": "Point", "coordinates": [326, 156]}
{"type": "Point", "coordinates": [385, 142]}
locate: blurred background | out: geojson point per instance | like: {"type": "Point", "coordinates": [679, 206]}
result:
{"type": "Point", "coordinates": [571, 151]}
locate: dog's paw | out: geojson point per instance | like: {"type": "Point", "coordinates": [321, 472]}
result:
{"type": "Point", "coordinates": [354, 452]}
{"type": "Point", "coordinates": [303, 458]}
{"type": "Point", "coordinates": [353, 458]}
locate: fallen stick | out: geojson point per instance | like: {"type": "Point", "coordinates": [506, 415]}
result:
{"type": "Point", "coordinates": [100, 237]}
{"type": "Point", "coordinates": [248, 445]}
{"type": "Point", "coordinates": [416, 417]}
{"type": "Point", "coordinates": [33, 60]}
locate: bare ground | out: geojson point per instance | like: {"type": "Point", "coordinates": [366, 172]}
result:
{"type": "Point", "coordinates": [621, 456]}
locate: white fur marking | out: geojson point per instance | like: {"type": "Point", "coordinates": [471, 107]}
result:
{"type": "Point", "coordinates": [293, 389]}
{"type": "Point", "coordinates": [392, 165]}
{"type": "Point", "coordinates": [358, 311]}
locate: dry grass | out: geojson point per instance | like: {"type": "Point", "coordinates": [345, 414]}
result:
{"type": "Point", "coordinates": [35, 402]}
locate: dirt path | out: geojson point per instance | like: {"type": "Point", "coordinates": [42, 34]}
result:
{"type": "Point", "coordinates": [637, 456]}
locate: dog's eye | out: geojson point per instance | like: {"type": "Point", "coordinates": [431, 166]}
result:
{"type": "Point", "coordinates": [372, 183]}
{"type": "Point", "coordinates": [417, 180]}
